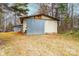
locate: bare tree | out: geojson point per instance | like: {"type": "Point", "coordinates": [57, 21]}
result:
{"type": "Point", "coordinates": [43, 8]}
{"type": "Point", "coordinates": [72, 10]}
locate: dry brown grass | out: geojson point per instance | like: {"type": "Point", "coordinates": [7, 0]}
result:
{"type": "Point", "coordinates": [53, 44]}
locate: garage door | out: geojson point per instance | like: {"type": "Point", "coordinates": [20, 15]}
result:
{"type": "Point", "coordinates": [35, 26]}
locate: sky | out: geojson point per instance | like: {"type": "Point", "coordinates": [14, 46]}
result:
{"type": "Point", "coordinates": [76, 7]}
{"type": "Point", "coordinates": [33, 7]}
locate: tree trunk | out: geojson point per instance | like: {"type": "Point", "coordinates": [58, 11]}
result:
{"type": "Point", "coordinates": [15, 19]}
{"type": "Point", "coordinates": [72, 16]}
{"type": "Point", "coordinates": [52, 9]}
{"type": "Point", "coordinates": [5, 24]}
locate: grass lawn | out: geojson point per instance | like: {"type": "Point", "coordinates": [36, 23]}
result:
{"type": "Point", "coordinates": [12, 43]}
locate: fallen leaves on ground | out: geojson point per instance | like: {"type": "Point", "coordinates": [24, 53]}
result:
{"type": "Point", "coordinates": [41, 45]}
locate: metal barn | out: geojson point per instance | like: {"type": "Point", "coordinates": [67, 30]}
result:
{"type": "Point", "coordinates": [39, 24]}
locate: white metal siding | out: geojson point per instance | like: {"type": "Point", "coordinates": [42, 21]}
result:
{"type": "Point", "coordinates": [50, 26]}
{"type": "Point", "coordinates": [24, 25]}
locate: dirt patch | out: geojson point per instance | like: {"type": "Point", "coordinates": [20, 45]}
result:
{"type": "Point", "coordinates": [2, 42]}
{"type": "Point", "coordinates": [19, 33]}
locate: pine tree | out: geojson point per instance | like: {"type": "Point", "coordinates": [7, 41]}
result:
{"type": "Point", "coordinates": [20, 9]}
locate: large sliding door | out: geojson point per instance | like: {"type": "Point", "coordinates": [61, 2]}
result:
{"type": "Point", "coordinates": [35, 26]}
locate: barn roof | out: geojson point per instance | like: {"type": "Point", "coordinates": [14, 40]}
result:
{"type": "Point", "coordinates": [17, 26]}
{"type": "Point", "coordinates": [26, 17]}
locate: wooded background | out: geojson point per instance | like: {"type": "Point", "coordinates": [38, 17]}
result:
{"type": "Point", "coordinates": [65, 12]}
